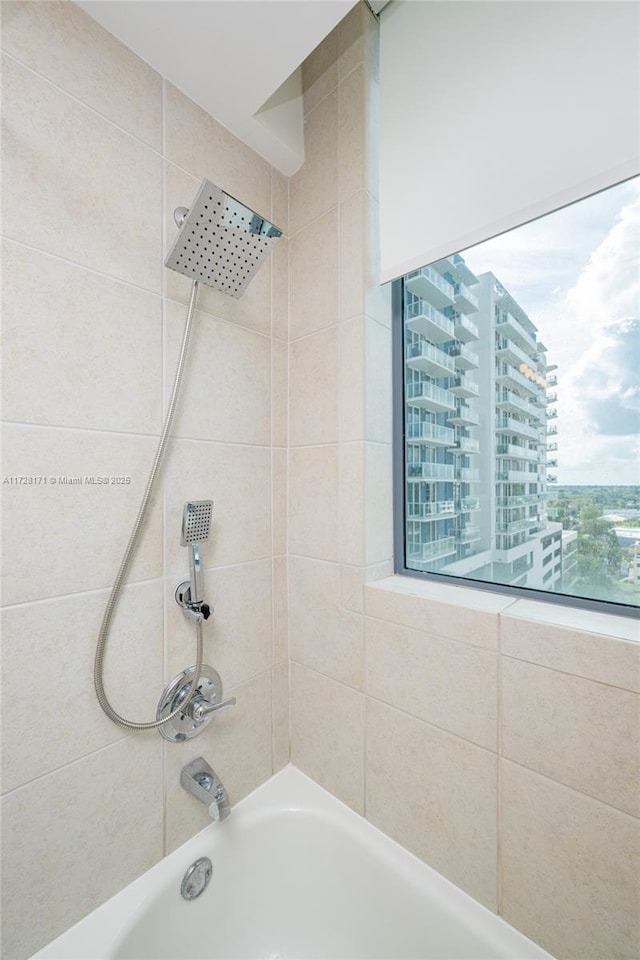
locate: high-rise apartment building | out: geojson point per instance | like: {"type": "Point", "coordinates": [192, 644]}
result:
{"type": "Point", "coordinates": [479, 431]}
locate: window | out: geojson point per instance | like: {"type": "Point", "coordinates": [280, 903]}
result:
{"type": "Point", "coordinates": [517, 397]}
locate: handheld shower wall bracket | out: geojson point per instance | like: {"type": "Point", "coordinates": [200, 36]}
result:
{"type": "Point", "coordinates": [192, 611]}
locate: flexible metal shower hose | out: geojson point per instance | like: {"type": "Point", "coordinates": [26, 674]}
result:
{"type": "Point", "coordinates": [98, 668]}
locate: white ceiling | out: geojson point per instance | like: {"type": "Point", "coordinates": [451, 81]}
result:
{"type": "Point", "coordinates": [233, 58]}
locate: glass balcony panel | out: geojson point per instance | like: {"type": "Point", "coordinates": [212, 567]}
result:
{"type": "Point", "coordinates": [431, 285]}
{"type": "Point", "coordinates": [429, 551]}
{"type": "Point", "coordinates": [464, 358]}
{"type": "Point", "coordinates": [423, 318]}
{"type": "Point", "coordinates": [428, 359]}
{"type": "Point", "coordinates": [465, 329]}
{"type": "Point", "coordinates": [430, 472]}
{"type": "Point", "coordinates": [466, 300]}
{"type": "Point", "coordinates": [515, 331]}
{"type": "Point", "coordinates": [430, 433]}
{"type": "Point", "coordinates": [435, 510]}
{"type": "Point", "coordinates": [428, 396]}
{"type": "Point", "coordinates": [464, 387]}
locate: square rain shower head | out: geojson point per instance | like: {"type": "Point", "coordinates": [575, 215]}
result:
{"type": "Point", "coordinates": [221, 242]}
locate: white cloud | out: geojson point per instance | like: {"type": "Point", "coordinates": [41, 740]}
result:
{"type": "Point", "coordinates": [575, 273]}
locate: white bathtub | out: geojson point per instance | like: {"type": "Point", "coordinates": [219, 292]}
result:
{"type": "Point", "coordinates": [296, 874]}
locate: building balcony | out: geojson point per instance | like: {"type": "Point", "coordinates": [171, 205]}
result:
{"type": "Point", "coordinates": [436, 510]}
{"type": "Point", "coordinates": [422, 553]}
{"type": "Point", "coordinates": [423, 318]}
{"type": "Point", "coordinates": [508, 376]}
{"type": "Point", "coordinates": [514, 526]}
{"type": "Point", "coordinates": [464, 416]}
{"type": "Point", "coordinates": [517, 427]}
{"type": "Point", "coordinates": [516, 476]}
{"type": "Point", "coordinates": [467, 475]}
{"type": "Point", "coordinates": [466, 301]}
{"type": "Point", "coordinates": [552, 431]}
{"type": "Point", "coordinates": [552, 463]}
{"type": "Point", "coordinates": [431, 433]}
{"type": "Point", "coordinates": [551, 479]}
{"type": "Point", "coordinates": [427, 396]}
{"type": "Point", "coordinates": [552, 398]}
{"type": "Point", "coordinates": [465, 445]}
{"type": "Point", "coordinates": [463, 387]}
{"type": "Point", "coordinates": [467, 534]}
{"type": "Point", "coordinates": [464, 358]}
{"type": "Point", "coordinates": [516, 452]}
{"type": "Point", "coordinates": [430, 472]}
{"type": "Point", "coordinates": [468, 504]}
{"type": "Point", "coordinates": [508, 400]}
{"type": "Point", "coordinates": [432, 286]}
{"type": "Point", "coordinates": [508, 326]}
{"type": "Point", "coordinates": [428, 359]}
{"type": "Point", "coordinates": [513, 503]}
{"type": "Point", "coordinates": [551, 447]}
{"type": "Point", "coordinates": [552, 381]}
{"type": "Point", "coordinates": [507, 350]}
{"type": "Point", "coordinates": [465, 329]}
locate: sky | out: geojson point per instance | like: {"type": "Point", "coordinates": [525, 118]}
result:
{"type": "Point", "coordinates": [576, 273]}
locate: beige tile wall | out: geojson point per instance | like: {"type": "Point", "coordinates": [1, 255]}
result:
{"type": "Point", "coordinates": [498, 741]}
{"type": "Point", "coordinates": [92, 325]}
{"type": "Point", "coordinates": [494, 740]}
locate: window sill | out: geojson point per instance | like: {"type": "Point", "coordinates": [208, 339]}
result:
{"type": "Point", "coordinates": [625, 629]}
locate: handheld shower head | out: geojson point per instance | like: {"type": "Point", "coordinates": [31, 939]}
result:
{"type": "Point", "coordinates": [221, 242]}
{"type": "Point", "coordinates": [196, 521]}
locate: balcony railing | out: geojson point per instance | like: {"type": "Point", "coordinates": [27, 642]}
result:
{"type": "Point", "coordinates": [506, 372]}
{"type": "Point", "coordinates": [431, 511]}
{"type": "Point", "coordinates": [465, 359]}
{"type": "Point", "coordinates": [506, 346]}
{"type": "Point", "coordinates": [512, 450]}
{"type": "Point", "coordinates": [464, 387]}
{"type": "Point", "coordinates": [468, 504]}
{"type": "Point", "coordinates": [512, 503]}
{"type": "Point", "coordinates": [518, 427]}
{"type": "Point", "coordinates": [465, 445]}
{"type": "Point", "coordinates": [465, 329]}
{"type": "Point", "coordinates": [465, 297]}
{"type": "Point", "coordinates": [429, 551]}
{"type": "Point", "coordinates": [464, 416]}
{"type": "Point", "coordinates": [422, 317]}
{"type": "Point", "coordinates": [426, 280]}
{"type": "Point", "coordinates": [515, 526]}
{"type": "Point", "coordinates": [424, 356]}
{"type": "Point", "coordinates": [517, 332]}
{"type": "Point", "coordinates": [433, 432]}
{"type": "Point", "coordinates": [467, 534]}
{"type": "Point", "coordinates": [516, 476]}
{"type": "Point", "coordinates": [430, 471]}
{"type": "Point", "coordinates": [430, 397]}
{"type": "Point", "coordinates": [507, 398]}
{"type": "Point", "coordinates": [467, 475]}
